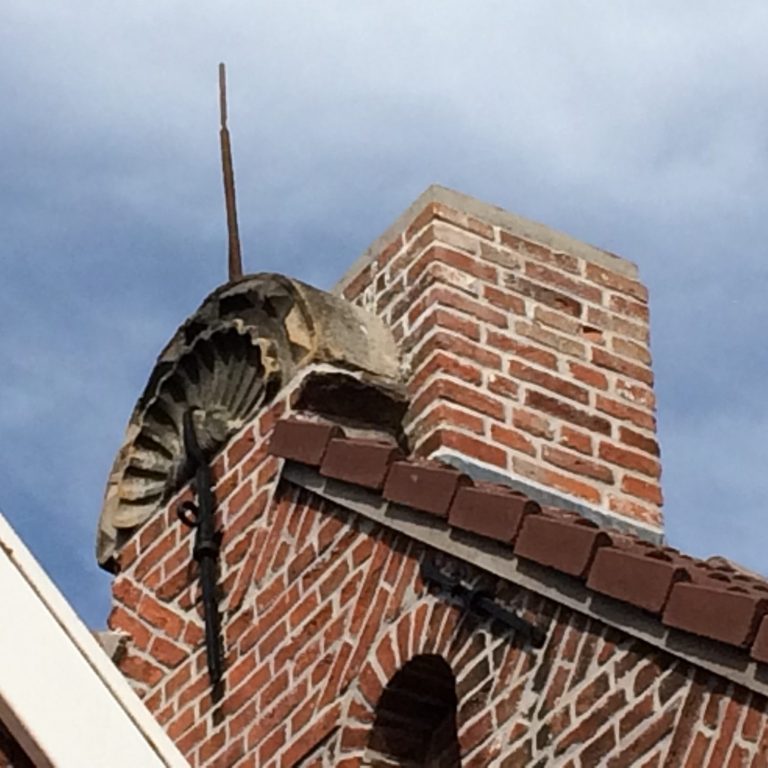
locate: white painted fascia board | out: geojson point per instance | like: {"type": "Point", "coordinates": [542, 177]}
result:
{"type": "Point", "coordinates": [61, 697]}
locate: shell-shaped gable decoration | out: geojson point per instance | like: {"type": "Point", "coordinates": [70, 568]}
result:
{"type": "Point", "coordinates": [246, 341]}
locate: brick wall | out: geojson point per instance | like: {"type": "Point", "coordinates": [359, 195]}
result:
{"type": "Point", "coordinates": [527, 351]}
{"type": "Point", "coordinates": [321, 608]}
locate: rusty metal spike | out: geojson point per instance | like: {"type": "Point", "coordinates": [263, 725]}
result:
{"type": "Point", "coordinates": [235, 259]}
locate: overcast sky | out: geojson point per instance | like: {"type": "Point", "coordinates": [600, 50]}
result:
{"type": "Point", "coordinates": [641, 128]}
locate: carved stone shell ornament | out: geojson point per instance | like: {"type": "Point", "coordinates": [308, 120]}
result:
{"type": "Point", "coordinates": [246, 341]}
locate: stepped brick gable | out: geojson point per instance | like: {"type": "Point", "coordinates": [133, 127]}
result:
{"type": "Point", "coordinates": [443, 548]}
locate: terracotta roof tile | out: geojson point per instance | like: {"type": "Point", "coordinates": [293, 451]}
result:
{"type": "Point", "coordinates": [491, 510]}
{"type": "Point", "coordinates": [362, 462]}
{"type": "Point", "coordinates": [715, 611]}
{"type": "Point", "coordinates": [424, 486]}
{"type": "Point", "coordinates": [634, 577]}
{"type": "Point", "coordinates": [560, 542]}
{"type": "Point", "coordinates": [304, 441]}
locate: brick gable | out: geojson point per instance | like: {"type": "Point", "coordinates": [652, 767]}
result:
{"type": "Point", "coordinates": [507, 437]}
{"type": "Point", "coordinates": [323, 607]}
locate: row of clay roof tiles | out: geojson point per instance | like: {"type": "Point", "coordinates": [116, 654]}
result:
{"type": "Point", "coordinates": [713, 600]}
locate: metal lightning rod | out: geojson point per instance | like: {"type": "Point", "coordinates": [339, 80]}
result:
{"type": "Point", "coordinates": [235, 259]}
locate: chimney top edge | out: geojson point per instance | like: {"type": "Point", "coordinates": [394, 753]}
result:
{"type": "Point", "coordinates": [492, 214]}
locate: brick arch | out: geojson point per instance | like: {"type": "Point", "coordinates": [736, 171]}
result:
{"type": "Point", "coordinates": [475, 656]}
{"type": "Point", "coordinates": [415, 717]}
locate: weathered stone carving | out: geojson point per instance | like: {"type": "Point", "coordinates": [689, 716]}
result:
{"type": "Point", "coordinates": [246, 341]}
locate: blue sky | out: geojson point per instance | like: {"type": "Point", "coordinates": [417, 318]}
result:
{"type": "Point", "coordinates": [639, 127]}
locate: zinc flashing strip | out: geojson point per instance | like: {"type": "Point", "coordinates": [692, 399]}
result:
{"type": "Point", "coordinates": [730, 663]}
{"type": "Point", "coordinates": [547, 497]}
{"type": "Point", "coordinates": [62, 696]}
{"type": "Point", "coordinates": [491, 214]}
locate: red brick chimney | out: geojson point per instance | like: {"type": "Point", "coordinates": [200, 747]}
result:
{"type": "Point", "coordinates": [526, 355]}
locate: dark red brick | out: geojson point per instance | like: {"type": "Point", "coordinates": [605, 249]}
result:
{"type": "Point", "coordinates": [563, 544]}
{"type": "Point", "coordinates": [710, 611]}
{"type": "Point", "coordinates": [302, 441]}
{"type": "Point", "coordinates": [493, 511]}
{"type": "Point", "coordinates": [541, 402]}
{"type": "Point", "coordinates": [426, 487]}
{"type": "Point", "coordinates": [634, 578]}
{"type": "Point", "coordinates": [363, 462]}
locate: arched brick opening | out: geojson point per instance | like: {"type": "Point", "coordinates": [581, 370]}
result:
{"type": "Point", "coordinates": [415, 718]}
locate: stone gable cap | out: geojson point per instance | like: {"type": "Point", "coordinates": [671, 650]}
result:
{"type": "Point", "coordinates": [246, 341]}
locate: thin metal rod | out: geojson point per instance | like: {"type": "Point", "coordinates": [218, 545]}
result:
{"type": "Point", "coordinates": [212, 619]}
{"type": "Point", "coordinates": [206, 548]}
{"type": "Point", "coordinates": [235, 259]}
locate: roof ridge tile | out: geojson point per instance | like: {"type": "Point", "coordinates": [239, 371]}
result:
{"type": "Point", "coordinates": [711, 598]}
